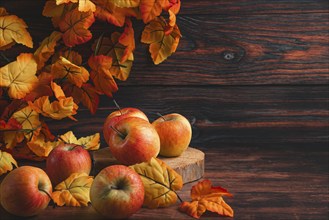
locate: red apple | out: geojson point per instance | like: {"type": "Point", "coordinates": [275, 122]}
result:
{"type": "Point", "coordinates": [118, 115]}
{"type": "Point", "coordinates": [175, 134]}
{"type": "Point", "coordinates": [66, 159]}
{"type": "Point", "coordinates": [117, 192]}
{"type": "Point", "coordinates": [133, 140]}
{"type": "Point", "coordinates": [25, 191]}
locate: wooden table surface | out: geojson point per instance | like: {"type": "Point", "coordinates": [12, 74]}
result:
{"type": "Point", "coordinates": [252, 78]}
{"type": "Point", "coordinates": [267, 183]}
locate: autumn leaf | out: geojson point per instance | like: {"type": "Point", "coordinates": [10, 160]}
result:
{"type": "Point", "coordinates": [70, 55]}
{"type": "Point", "coordinates": [42, 89]}
{"type": "Point", "coordinates": [56, 12]}
{"type": "Point", "coordinates": [91, 142]}
{"type": "Point", "coordinates": [160, 183]}
{"type": "Point", "coordinates": [3, 11]}
{"type": "Point", "coordinates": [6, 162]}
{"type": "Point", "coordinates": [64, 69]}
{"type": "Point", "coordinates": [74, 191]}
{"type": "Point", "coordinates": [150, 9]}
{"type": "Point", "coordinates": [75, 27]}
{"type": "Point", "coordinates": [46, 48]}
{"type": "Point", "coordinates": [127, 39]}
{"type": "Point", "coordinates": [161, 45]}
{"type": "Point", "coordinates": [126, 3]}
{"type": "Point", "coordinates": [207, 197]}
{"type": "Point", "coordinates": [86, 5]}
{"type": "Point", "coordinates": [19, 76]}
{"type": "Point", "coordinates": [12, 124]}
{"type": "Point", "coordinates": [113, 48]}
{"type": "Point", "coordinates": [101, 75]}
{"type": "Point", "coordinates": [173, 5]}
{"type": "Point", "coordinates": [11, 132]}
{"type": "Point", "coordinates": [13, 30]}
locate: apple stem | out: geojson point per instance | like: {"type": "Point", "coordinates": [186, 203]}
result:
{"type": "Point", "coordinates": [122, 135]}
{"type": "Point", "coordinates": [117, 105]}
{"type": "Point", "coordinates": [47, 194]}
{"type": "Point", "coordinates": [159, 114]}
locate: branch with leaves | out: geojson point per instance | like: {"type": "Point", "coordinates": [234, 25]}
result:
{"type": "Point", "coordinates": [54, 80]}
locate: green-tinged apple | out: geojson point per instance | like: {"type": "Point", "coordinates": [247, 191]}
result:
{"type": "Point", "coordinates": [118, 115]}
{"type": "Point", "coordinates": [175, 134]}
{"type": "Point", "coordinates": [133, 140]}
{"type": "Point", "coordinates": [66, 159]}
{"type": "Point", "coordinates": [25, 191]}
{"type": "Point", "coordinates": [117, 192]}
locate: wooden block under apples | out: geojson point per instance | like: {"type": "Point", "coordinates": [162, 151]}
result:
{"type": "Point", "coordinates": [190, 165]}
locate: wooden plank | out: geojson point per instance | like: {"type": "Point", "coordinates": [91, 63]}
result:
{"type": "Point", "coordinates": [262, 115]}
{"type": "Point", "coordinates": [221, 49]}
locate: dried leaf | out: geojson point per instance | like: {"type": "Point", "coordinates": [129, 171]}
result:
{"type": "Point", "coordinates": [19, 76]}
{"type": "Point", "coordinates": [47, 48]}
{"type": "Point", "coordinates": [173, 5]}
{"type": "Point", "coordinates": [75, 27]}
{"type": "Point", "coordinates": [127, 39]}
{"type": "Point", "coordinates": [42, 88]}
{"type": "Point", "coordinates": [74, 191]}
{"type": "Point", "coordinates": [3, 11]}
{"type": "Point", "coordinates": [12, 124]}
{"type": "Point", "coordinates": [150, 9]}
{"type": "Point", "coordinates": [161, 45]}
{"type": "Point", "coordinates": [111, 47]}
{"type": "Point", "coordinates": [125, 3]}
{"type": "Point", "coordinates": [56, 12]}
{"type": "Point", "coordinates": [86, 5]}
{"type": "Point", "coordinates": [40, 147]}
{"type": "Point", "coordinates": [68, 138]}
{"type": "Point", "coordinates": [101, 75]}
{"type": "Point", "coordinates": [6, 162]}
{"type": "Point", "coordinates": [64, 69]}
{"type": "Point", "coordinates": [207, 197]}
{"type": "Point", "coordinates": [160, 183]}
{"type": "Point", "coordinates": [11, 132]}
{"type": "Point", "coordinates": [13, 29]}
{"type": "Point", "coordinates": [70, 55]}
{"type": "Point", "coordinates": [91, 142]}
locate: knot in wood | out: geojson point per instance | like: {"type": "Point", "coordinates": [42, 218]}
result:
{"type": "Point", "coordinates": [228, 55]}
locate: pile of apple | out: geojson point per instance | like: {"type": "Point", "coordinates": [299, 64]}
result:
{"type": "Point", "coordinates": [117, 191]}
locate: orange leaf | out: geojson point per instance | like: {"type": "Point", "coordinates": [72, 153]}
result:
{"type": "Point", "coordinates": [111, 47]}
{"type": "Point", "coordinates": [13, 29]}
{"type": "Point", "coordinates": [75, 27]}
{"type": "Point", "coordinates": [10, 132]}
{"type": "Point", "coordinates": [101, 74]}
{"type": "Point", "coordinates": [42, 88]}
{"type": "Point", "coordinates": [150, 9]}
{"type": "Point", "coordinates": [58, 92]}
{"type": "Point", "coordinates": [173, 5]}
{"type": "Point", "coordinates": [64, 69]}
{"type": "Point", "coordinates": [12, 124]}
{"type": "Point", "coordinates": [19, 76]}
{"type": "Point", "coordinates": [47, 48]}
{"type": "Point", "coordinates": [3, 11]}
{"type": "Point", "coordinates": [128, 40]}
{"type": "Point", "coordinates": [162, 45]}
{"type": "Point", "coordinates": [40, 147]}
{"type": "Point", "coordinates": [6, 162]}
{"type": "Point", "coordinates": [70, 55]}
{"type": "Point", "coordinates": [126, 3]}
{"type": "Point", "coordinates": [56, 12]}
{"type": "Point", "coordinates": [207, 197]}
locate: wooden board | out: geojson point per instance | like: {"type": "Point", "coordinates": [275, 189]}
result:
{"type": "Point", "coordinates": [190, 165]}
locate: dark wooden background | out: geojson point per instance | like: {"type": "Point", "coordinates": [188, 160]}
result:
{"type": "Point", "coordinates": [251, 76]}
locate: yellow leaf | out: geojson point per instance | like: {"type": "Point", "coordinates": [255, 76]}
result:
{"type": "Point", "coordinates": [13, 29]}
{"type": "Point", "coordinates": [75, 27]}
{"type": "Point", "coordinates": [162, 43]}
{"type": "Point", "coordinates": [64, 69]}
{"type": "Point", "coordinates": [47, 48]}
{"type": "Point", "coordinates": [69, 138]}
{"type": "Point", "coordinates": [71, 55]}
{"type": "Point", "coordinates": [19, 76]}
{"type": "Point", "coordinates": [74, 191]}
{"type": "Point", "coordinates": [58, 2]}
{"type": "Point", "coordinates": [6, 162]}
{"type": "Point", "coordinates": [160, 183]}
{"type": "Point", "coordinates": [125, 3]}
{"type": "Point", "coordinates": [91, 142]}
{"type": "Point", "coordinates": [40, 147]}
{"type": "Point", "coordinates": [86, 5]}
{"type": "Point", "coordinates": [12, 138]}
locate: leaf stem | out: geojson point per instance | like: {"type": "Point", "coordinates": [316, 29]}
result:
{"type": "Point", "coordinates": [159, 114]}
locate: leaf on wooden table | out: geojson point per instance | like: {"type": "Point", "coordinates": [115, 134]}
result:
{"type": "Point", "coordinates": [74, 191]}
{"type": "Point", "coordinates": [75, 27]}
{"type": "Point", "coordinates": [7, 162]}
{"type": "Point", "coordinates": [13, 30]}
{"type": "Point", "coordinates": [19, 76]}
{"type": "Point", "coordinates": [160, 183]}
{"type": "Point", "coordinates": [91, 142]}
{"type": "Point", "coordinates": [162, 43]}
{"type": "Point", "coordinates": [150, 9]}
{"type": "Point", "coordinates": [207, 197]}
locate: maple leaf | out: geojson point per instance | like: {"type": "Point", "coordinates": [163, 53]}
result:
{"type": "Point", "coordinates": [86, 5]}
{"type": "Point", "coordinates": [127, 39]}
{"type": "Point", "coordinates": [75, 27]}
{"type": "Point", "coordinates": [6, 162]}
{"type": "Point", "coordinates": [42, 88]}
{"type": "Point", "coordinates": [101, 75]}
{"type": "Point", "coordinates": [91, 142]}
{"type": "Point", "coordinates": [160, 183]}
{"type": "Point", "coordinates": [70, 55]}
{"type": "Point", "coordinates": [162, 45]}
{"type": "Point", "coordinates": [74, 191]}
{"type": "Point", "coordinates": [10, 132]}
{"type": "Point", "coordinates": [64, 69]}
{"type": "Point", "coordinates": [207, 197]}
{"type": "Point", "coordinates": [46, 49]}
{"type": "Point", "coordinates": [56, 12]}
{"type": "Point", "coordinates": [150, 9]}
{"type": "Point", "coordinates": [19, 76]}
{"type": "Point", "coordinates": [13, 30]}
{"type": "Point", "coordinates": [113, 48]}
{"type": "Point", "coordinates": [173, 5]}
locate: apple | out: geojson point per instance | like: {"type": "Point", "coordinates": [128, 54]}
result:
{"type": "Point", "coordinates": [117, 192]}
{"type": "Point", "coordinates": [133, 140]}
{"type": "Point", "coordinates": [118, 115]}
{"type": "Point", "coordinates": [175, 134]}
{"type": "Point", "coordinates": [66, 159]}
{"type": "Point", "coordinates": [25, 191]}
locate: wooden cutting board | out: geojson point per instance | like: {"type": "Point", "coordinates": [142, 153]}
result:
{"type": "Point", "coordinates": [190, 165]}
